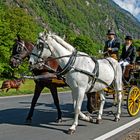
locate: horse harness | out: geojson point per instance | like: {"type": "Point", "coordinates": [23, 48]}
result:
{"type": "Point", "coordinates": [69, 66]}
{"type": "Point", "coordinates": [17, 56]}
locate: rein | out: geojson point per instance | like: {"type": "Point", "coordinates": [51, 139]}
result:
{"type": "Point", "coordinates": [67, 67]}
{"type": "Point", "coordinates": [36, 55]}
{"type": "Point", "coordinates": [24, 46]}
{"type": "Point", "coordinates": [70, 66]}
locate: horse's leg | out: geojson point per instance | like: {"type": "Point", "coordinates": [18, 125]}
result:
{"type": "Point", "coordinates": [82, 116]}
{"type": "Point", "coordinates": [17, 89]}
{"type": "Point", "coordinates": [102, 97]}
{"type": "Point", "coordinates": [85, 118]}
{"type": "Point", "coordinates": [118, 87]}
{"type": "Point", "coordinates": [114, 99]}
{"type": "Point", "coordinates": [7, 89]}
{"type": "Point", "coordinates": [38, 89]}
{"type": "Point", "coordinates": [1, 90]}
{"type": "Point", "coordinates": [78, 96]}
{"type": "Point", "coordinates": [56, 102]}
{"type": "Point", "coordinates": [119, 96]}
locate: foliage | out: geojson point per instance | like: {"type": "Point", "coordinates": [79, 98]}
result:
{"type": "Point", "coordinates": [85, 44]}
{"type": "Point", "coordinates": [14, 21]}
{"type": "Point", "coordinates": [136, 43]}
{"type": "Point", "coordinates": [82, 43]}
{"type": "Point", "coordinates": [84, 23]}
{"type": "Point", "coordinates": [90, 18]}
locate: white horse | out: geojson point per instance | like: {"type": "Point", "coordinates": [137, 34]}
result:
{"type": "Point", "coordinates": [80, 73]}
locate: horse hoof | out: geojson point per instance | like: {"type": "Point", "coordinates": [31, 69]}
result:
{"type": "Point", "coordinates": [28, 121]}
{"type": "Point", "coordinates": [71, 131]}
{"type": "Point", "coordinates": [114, 104]}
{"type": "Point", "coordinates": [91, 120]}
{"type": "Point", "coordinates": [98, 121]}
{"type": "Point", "coordinates": [117, 119]}
{"type": "Point", "coordinates": [58, 120]}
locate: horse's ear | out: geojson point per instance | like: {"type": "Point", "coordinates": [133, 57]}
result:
{"type": "Point", "coordinates": [49, 32]}
{"type": "Point", "coordinates": [18, 37]}
{"type": "Point", "coordinates": [45, 31]}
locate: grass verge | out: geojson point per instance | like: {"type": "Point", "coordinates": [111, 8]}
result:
{"type": "Point", "coordinates": [27, 88]}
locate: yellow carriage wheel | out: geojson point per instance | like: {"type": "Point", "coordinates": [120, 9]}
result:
{"type": "Point", "coordinates": [133, 101]}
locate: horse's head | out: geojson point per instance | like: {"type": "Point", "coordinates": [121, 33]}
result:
{"type": "Point", "coordinates": [21, 80]}
{"type": "Point", "coordinates": [41, 51]}
{"type": "Point", "coordinates": [50, 45]}
{"type": "Point", "coordinates": [21, 50]}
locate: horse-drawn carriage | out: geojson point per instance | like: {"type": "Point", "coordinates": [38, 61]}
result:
{"type": "Point", "coordinates": [131, 90]}
{"type": "Point", "coordinates": [91, 76]}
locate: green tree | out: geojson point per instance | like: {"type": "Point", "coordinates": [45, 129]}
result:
{"type": "Point", "coordinates": [136, 43]}
{"type": "Point", "coordinates": [14, 21]}
{"type": "Point", "coordinates": [85, 44]}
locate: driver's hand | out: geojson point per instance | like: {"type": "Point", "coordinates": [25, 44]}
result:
{"type": "Point", "coordinates": [109, 49]}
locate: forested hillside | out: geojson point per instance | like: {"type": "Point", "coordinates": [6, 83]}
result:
{"type": "Point", "coordinates": [83, 22]}
{"type": "Point", "coordinates": [88, 17]}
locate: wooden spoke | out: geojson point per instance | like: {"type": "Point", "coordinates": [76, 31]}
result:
{"type": "Point", "coordinates": [133, 101]}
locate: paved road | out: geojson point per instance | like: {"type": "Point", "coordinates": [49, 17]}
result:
{"type": "Point", "coordinates": [13, 111]}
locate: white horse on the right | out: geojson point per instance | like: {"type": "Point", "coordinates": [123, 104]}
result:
{"type": "Point", "coordinates": [83, 74]}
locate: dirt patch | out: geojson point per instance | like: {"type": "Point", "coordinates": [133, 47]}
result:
{"type": "Point", "coordinates": [134, 135]}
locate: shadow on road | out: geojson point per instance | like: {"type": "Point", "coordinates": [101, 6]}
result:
{"type": "Point", "coordinates": [45, 115]}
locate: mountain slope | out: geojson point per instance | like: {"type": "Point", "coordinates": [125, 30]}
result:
{"type": "Point", "coordinates": [84, 23]}
{"type": "Point", "coordinates": [87, 17]}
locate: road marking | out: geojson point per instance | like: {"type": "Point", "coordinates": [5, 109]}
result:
{"type": "Point", "coordinates": [117, 130]}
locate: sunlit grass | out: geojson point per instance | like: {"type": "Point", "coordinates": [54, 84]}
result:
{"type": "Point", "coordinates": [27, 88]}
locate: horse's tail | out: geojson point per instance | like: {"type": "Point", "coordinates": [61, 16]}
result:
{"type": "Point", "coordinates": [5, 84]}
{"type": "Point", "coordinates": [1, 89]}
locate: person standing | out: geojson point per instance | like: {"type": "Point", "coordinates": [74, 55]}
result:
{"type": "Point", "coordinates": [112, 45]}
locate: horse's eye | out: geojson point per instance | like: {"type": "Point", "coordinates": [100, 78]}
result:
{"type": "Point", "coordinates": [18, 60]}
{"type": "Point", "coordinates": [40, 45]}
{"type": "Point", "coordinates": [19, 49]}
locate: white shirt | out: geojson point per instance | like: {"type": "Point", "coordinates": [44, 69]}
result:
{"type": "Point", "coordinates": [110, 43]}
{"type": "Point", "coordinates": [127, 47]}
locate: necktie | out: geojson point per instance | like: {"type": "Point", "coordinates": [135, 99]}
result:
{"type": "Point", "coordinates": [110, 44]}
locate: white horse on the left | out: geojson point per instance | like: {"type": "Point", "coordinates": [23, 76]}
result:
{"type": "Point", "coordinates": [78, 69]}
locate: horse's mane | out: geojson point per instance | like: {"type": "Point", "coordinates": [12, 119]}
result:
{"type": "Point", "coordinates": [62, 42]}
{"type": "Point", "coordinates": [27, 43]}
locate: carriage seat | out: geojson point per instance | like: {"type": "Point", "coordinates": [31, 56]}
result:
{"type": "Point", "coordinates": [135, 68]}
{"type": "Point", "coordinates": [128, 69]}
